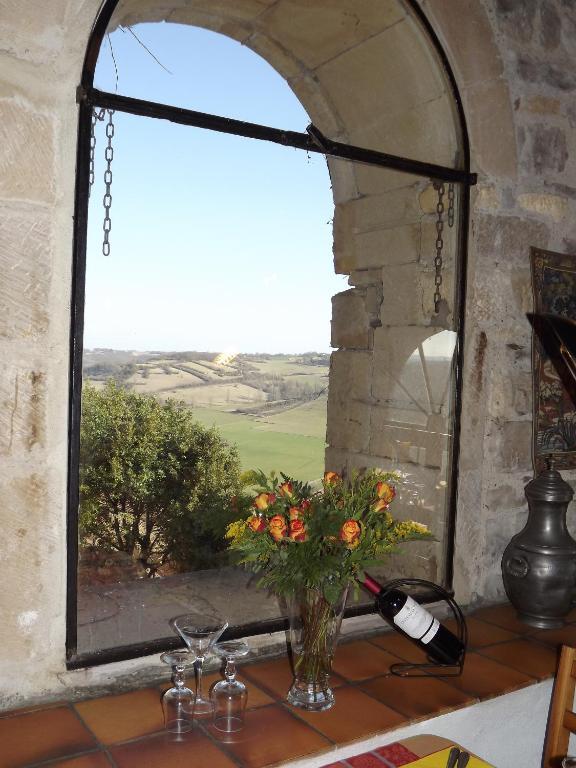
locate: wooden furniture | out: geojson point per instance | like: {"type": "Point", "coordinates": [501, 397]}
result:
{"type": "Point", "coordinates": [562, 719]}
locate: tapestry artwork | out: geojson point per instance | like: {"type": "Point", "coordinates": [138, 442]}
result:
{"type": "Point", "coordinates": [554, 288]}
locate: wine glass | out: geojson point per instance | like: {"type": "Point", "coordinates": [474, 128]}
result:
{"type": "Point", "coordinates": [200, 631]}
{"type": "Point", "coordinates": [178, 701]}
{"type": "Point", "coordinates": [230, 695]}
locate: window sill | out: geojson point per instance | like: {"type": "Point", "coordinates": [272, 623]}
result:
{"type": "Point", "coordinates": [126, 729]}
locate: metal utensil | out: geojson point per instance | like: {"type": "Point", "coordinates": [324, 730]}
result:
{"type": "Point", "coordinates": [463, 759]}
{"type": "Point", "coordinates": [453, 757]}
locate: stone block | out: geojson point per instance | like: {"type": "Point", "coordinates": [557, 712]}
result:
{"type": "Point", "coordinates": [26, 153]}
{"type": "Point", "coordinates": [514, 446]}
{"type": "Point", "coordinates": [404, 294]}
{"type": "Point", "coordinates": [493, 136]}
{"type": "Point", "coordinates": [350, 321]}
{"type": "Point", "coordinates": [349, 426]}
{"type": "Point", "coordinates": [474, 51]}
{"type": "Point", "coordinates": [32, 33]}
{"type": "Point", "coordinates": [504, 241]}
{"type": "Point", "coordinates": [22, 411]}
{"type": "Point", "coordinates": [551, 206]}
{"type": "Point", "coordinates": [386, 247]}
{"type": "Point", "coordinates": [350, 377]}
{"type": "Point", "coordinates": [354, 81]}
{"type": "Point", "coordinates": [25, 266]}
{"type": "Point", "coordinates": [317, 32]}
{"type": "Point", "coordinates": [372, 180]}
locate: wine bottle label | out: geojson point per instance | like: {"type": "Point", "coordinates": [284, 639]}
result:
{"type": "Point", "coordinates": [416, 621]}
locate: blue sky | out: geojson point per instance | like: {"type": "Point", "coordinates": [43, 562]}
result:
{"type": "Point", "coordinates": [217, 242]}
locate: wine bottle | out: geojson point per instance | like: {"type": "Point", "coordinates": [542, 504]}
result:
{"type": "Point", "coordinates": [404, 613]}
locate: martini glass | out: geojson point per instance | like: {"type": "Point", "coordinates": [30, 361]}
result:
{"type": "Point", "coordinates": [178, 701]}
{"type": "Point", "coordinates": [200, 631]}
{"type": "Point", "coordinates": [230, 695]}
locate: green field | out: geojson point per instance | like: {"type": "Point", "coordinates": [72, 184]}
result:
{"type": "Point", "coordinates": [275, 426]}
{"type": "Point", "coordinates": [291, 442]}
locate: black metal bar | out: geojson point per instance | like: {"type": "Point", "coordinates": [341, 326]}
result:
{"type": "Point", "coordinates": [99, 29]}
{"type": "Point", "coordinates": [80, 233]}
{"type": "Point", "coordinates": [309, 142]}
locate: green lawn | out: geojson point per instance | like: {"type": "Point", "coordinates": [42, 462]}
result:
{"type": "Point", "coordinates": [270, 446]}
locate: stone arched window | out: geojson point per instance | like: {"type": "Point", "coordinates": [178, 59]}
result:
{"type": "Point", "coordinates": [386, 114]}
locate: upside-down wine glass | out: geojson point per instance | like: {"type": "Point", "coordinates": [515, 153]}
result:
{"type": "Point", "coordinates": [200, 631]}
{"type": "Point", "coordinates": [230, 695]}
{"type": "Point", "coordinates": [178, 701]}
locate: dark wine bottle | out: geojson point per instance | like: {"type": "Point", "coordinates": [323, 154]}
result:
{"type": "Point", "coordinates": [404, 613]}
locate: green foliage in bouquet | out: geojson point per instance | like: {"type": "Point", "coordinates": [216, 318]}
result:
{"type": "Point", "coordinates": [297, 537]}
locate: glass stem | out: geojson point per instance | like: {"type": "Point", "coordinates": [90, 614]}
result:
{"type": "Point", "coordinates": [178, 675]}
{"type": "Point", "coordinates": [199, 663]}
{"type": "Point", "coordinates": [230, 670]}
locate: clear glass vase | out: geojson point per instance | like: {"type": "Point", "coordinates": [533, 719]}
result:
{"type": "Point", "coordinates": [314, 630]}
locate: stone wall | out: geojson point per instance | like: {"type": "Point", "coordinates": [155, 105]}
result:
{"type": "Point", "coordinates": [514, 61]}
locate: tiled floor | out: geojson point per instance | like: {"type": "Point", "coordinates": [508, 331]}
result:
{"type": "Point", "coordinates": [126, 730]}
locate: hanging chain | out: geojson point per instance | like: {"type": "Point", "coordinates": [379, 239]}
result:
{"type": "Point", "coordinates": [439, 187]}
{"type": "Point", "coordinates": [96, 115]}
{"type": "Point", "coordinates": [450, 214]}
{"type": "Point", "coordinates": [107, 200]}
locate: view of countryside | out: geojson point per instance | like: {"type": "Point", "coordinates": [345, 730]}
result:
{"type": "Point", "coordinates": [272, 406]}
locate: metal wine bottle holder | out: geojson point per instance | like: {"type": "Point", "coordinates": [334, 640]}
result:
{"type": "Point", "coordinates": [432, 668]}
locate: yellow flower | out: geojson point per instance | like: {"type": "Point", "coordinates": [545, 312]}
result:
{"type": "Point", "coordinates": [236, 529]}
{"type": "Point", "coordinates": [385, 492]}
{"type": "Point", "coordinates": [350, 533]}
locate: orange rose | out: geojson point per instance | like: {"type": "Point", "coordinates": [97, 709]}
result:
{"type": "Point", "coordinates": [380, 505]}
{"type": "Point", "coordinates": [286, 490]}
{"type": "Point", "coordinates": [294, 513]}
{"type": "Point", "coordinates": [277, 527]}
{"type": "Point", "coordinates": [263, 501]}
{"type": "Point", "coordinates": [331, 477]}
{"type": "Point", "coordinates": [297, 530]}
{"type": "Point", "coordinates": [350, 533]}
{"type": "Point", "coordinates": [257, 523]}
{"type": "Point", "coordinates": [305, 505]}
{"type": "Point", "coordinates": [385, 492]}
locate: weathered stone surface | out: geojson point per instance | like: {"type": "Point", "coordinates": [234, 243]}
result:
{"type": "Point", "coordinates": [384, 247]}
{"type": "Point", "coordinates": [550, 26]}
{"type": "Point", "coordinates": [351, 428]}
{"type": "Point", "coordinates": [548, 149]}
{"type": "Point", "coordinates": [542, 105]}
{"type": "Point", "coordinates": [354, 79]}
{"type": "Point", "coordinates": [317, 32]}
{"type": "Point", "coordinates": [491, 128]}
{"type": "Point", "coordinates": [26, 153]}
{"type": "Point", "coordinates": [350, 377]}
{"type": "Point", "coordinates": [350, 320]}
{"type": "Point", "coordinates": [551, 206]}
{"type": "Point", "coordinates": [517, 18]}
{"type": "Point", "coordinates": [505, 240]}
{"type": "Point", "coordinates": [515, 445]}
{"type": "Point", "coordinates": [33, 34]}
{"type": "Point", "coordinates": [22, 410]}
{"type": "Point", "coordinates": [25, 266]}
{"type": "Point", "coordinates": [534, 70]}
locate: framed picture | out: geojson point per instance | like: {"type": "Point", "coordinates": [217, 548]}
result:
{"type": "Point", "coordinates": [554, 431]}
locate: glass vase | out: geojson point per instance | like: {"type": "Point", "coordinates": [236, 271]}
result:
{"type": "Point", "coordinates": [314, 630]}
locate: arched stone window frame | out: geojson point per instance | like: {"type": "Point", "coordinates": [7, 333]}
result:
{"type": "Point", "coordinates": [88, 98]}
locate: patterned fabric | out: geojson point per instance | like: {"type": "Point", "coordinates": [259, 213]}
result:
{"type": "Point", "coordinates": [390, 756]}
{"type": "Point", "coordinates": [554, 287]}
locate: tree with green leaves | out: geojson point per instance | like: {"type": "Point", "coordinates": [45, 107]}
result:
{"type": "Point", "coordinates": [153, 482]}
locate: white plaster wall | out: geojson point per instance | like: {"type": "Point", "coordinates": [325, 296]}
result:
{"type": "Point", "coordinates": [507, 732]}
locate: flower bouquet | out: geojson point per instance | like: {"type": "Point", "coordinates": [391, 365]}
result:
{"type": "Point", "coordinates": [310, 546]}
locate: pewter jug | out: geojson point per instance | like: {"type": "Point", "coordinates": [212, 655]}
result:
{"type": "Point", "coordinates": [539, 563]}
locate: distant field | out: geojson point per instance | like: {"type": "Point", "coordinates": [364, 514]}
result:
{"type": "Point", "coordinates": [291, 439]}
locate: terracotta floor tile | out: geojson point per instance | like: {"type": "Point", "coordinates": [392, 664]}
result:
{"type": "Point", "coordinates": [42, 735]}
{"type": "Point", "coordinates": [556, 637]}
{"type": "Point", "coordinates": [482, 633]}
{"type": "Point", "coordinates": [272, 735]}
{"type": "Point", "coordinates": [123, 717]}
{"type": "Point", "coordinates": [400, 646]}
{"type": "Point", "coordinates": [416, 697]}
{"type": "Point", "coordinates": [486, 678]}
{"type": "Point", "coordinates": [194, 750]}
{"type": "Point", "coordinates": [93, 760]}
{"type": "Point", "coordinates": [534, 659]}
{"type": "Point", "coordinates": [398, 754]}
{"type": "Point", "coordinates": [275, 677]}
{"type": "Point", "coordinates": [367, 760]}
{"type": "Point", "coordinates": [354, 716]}
{"type": "Point", "coordinates": [503, 616]}
{"type": "Point", "coordinates": [361, 660]}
